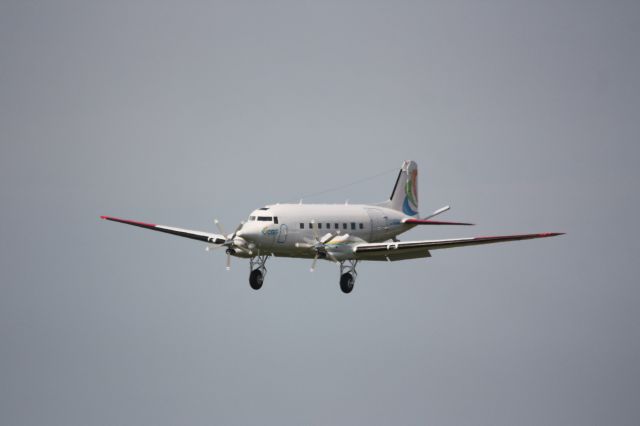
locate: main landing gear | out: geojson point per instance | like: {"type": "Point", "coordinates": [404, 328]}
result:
{"type": "Point", "coordinates": [348, 275]}
{"type": "Point", "coordinates": [258, 271]}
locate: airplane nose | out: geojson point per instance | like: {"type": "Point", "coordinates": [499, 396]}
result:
{"type": "Point", "coordinates": [245, 232]}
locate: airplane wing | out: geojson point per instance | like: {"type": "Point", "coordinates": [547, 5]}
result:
{"type": "Point", "coordinates": [187, 233]}
{"type": "Point", "coordinates": [433, 222]}
{"type": "Point", "coordinates": [416, 249]}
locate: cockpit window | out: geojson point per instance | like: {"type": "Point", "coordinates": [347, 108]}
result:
{"type": "Point", "coordinates": [252, 218]}
{"type": "Point", "coordinates": [263, 208]}
{"type": "Point", "coordinates": [275, 220]}
{"type": "Point", "coordinates": [265, 218]}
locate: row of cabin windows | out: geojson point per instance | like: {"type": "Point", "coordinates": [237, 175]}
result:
{"type": "Point", "coordinates": [264, 219]}
{"type": "Point", "coordinates": [335, 225]}
{"type": "Point", "coordinates": [328, 225]}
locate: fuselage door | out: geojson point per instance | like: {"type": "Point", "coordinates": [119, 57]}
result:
{"type": "Point", "coordinates": [282, 236]}
{"type": "Point", "coordinates": [379, 223]}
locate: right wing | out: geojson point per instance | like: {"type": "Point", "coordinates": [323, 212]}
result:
{"type": "Point", "coordinates": [415, 249]}
{"type": "Point", "coordinates": [433, 222]}
{"type": "Point", "coordinates": [187, 233]}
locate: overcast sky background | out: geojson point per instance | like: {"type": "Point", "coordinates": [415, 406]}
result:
{"type": "Point", "coordinates": [524, 116]}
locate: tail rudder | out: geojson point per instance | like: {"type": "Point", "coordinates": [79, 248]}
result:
{"type": "Point", "coordinates": [404, 196]}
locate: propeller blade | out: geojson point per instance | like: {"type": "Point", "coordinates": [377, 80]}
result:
{"type": "Point", "coordinates": [340, 238]}
{"type": "Point", "coordinates": [228, 261]}
{"type": "Point", "coordinates": [217, 222]}
{"type": "Point", "coordinates": [232, 236]}
{"type": "Point", "coordinates": [332, 257]}
{"type": "Point", "coordinates": [304, 245]}
{"type": "Point", "coordinates": [313, 264]}
{"type": "Point", "coordinates": [326, 238]}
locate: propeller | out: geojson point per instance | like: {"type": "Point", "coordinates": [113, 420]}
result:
{"type": "Point", "coordinates": [232, 242]}
{"type": "Point", "coordinates": [220, 228]}
{"type": "Point", "coordinates": [319, 244]}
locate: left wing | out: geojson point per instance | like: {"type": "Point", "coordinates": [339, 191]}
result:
{"type": "Point", "coordinates": [416, 249]}
{"type": "Point", "coordinates": [187, 233]}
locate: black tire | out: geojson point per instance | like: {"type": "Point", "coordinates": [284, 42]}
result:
{"type": "Point", "coordinates": [346, 283]}
{"type": "Point", "coordinates": [255, 279]}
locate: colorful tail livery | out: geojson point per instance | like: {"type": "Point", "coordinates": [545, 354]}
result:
{"type": "Point", "coordinates": [404, 196]}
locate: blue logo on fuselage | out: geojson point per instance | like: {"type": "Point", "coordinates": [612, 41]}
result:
{"type": "Point", "coordinates": [267, 231]}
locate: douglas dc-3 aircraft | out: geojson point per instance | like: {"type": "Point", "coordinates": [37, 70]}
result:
{"type": "Point", "coordinates": [341, 233]}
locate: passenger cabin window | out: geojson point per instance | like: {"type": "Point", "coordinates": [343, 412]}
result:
{"type": "Point", "coordinates": [344, 226]}
{"type": "Point", "coordinates": [310, 225]}
{"type": "Point", "coordinates": [353, 225]}
{"type": "Point", "coordinates": [361, 226]}
{"type": "Point", "coordinates": [336, 225]}
{"type": "Point", "coordinates": [319, 226]}
{"type": "Point", "coordinates": [328, 226]}
{"type": "Point", "coordinates": [302, 226]}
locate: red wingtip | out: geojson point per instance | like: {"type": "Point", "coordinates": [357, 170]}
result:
{"type": "Point", "coordinates": [129, 222]}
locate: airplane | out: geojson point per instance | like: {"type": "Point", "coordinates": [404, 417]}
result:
{"type": "Point", "coordinates": [341, 233]}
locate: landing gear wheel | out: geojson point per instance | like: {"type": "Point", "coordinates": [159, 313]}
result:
{"type": "Point", "coordinates": [255, 279]}
{"type": "Point", "coordinates": [258, 271]}
{"type": "Point", "coordinates": [346, 282]}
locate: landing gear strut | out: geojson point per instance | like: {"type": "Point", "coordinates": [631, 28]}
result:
{"type": "Point", "coordinates": [348, 275]}
{"type": "Point", "coordinates": [258, 271]}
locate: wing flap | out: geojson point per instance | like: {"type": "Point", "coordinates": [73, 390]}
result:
{"type": "Point", "coordinates": [186, 233]}
{"type": "Point", "coordinates": [393, 254]}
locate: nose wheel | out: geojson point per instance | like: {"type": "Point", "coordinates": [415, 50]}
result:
{"type": "Point", "coordinates": [258, 271]}
{"type": "Point", "coordinates": [348, 275]}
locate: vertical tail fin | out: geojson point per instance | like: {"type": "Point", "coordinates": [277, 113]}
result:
{"type": "Point", "coordinates": [404, 196]}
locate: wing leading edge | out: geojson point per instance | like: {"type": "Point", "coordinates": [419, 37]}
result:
{"type": "Point", "coordinates": [417, 249]}
{"type": "Point", "coordinates": [186, 233]}
{"type": "Point", "coordinates": [433, 222]}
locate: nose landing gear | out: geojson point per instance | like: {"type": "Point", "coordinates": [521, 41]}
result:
{"type": "Point", "coordinates": [348, 275]}
{"type": "Point", "coordinates": [258, 271]}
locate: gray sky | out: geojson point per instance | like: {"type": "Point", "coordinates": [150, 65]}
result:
{"type": "Point", "coordinates": [522, 115]}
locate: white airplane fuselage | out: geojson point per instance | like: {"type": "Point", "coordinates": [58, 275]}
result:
{"type": "Point", "coordinates": [342, 233]}
{"type": "Point", "coordinates": [279, 229]}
